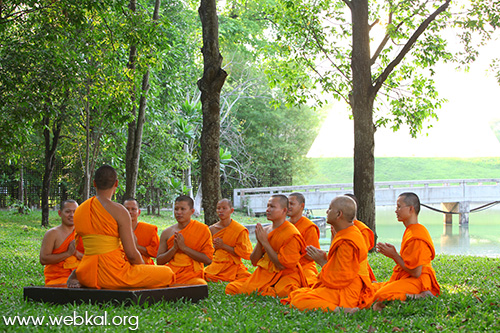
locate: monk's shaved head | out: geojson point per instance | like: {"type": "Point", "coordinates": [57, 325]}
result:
{"type": "Point", "coordinates": [227, 201]}
{"type": "Point", "coordinates": [299, 196]}
{"type": "Point", "coordinates": [346, 205]}
{"type": "Point", "coordinates": [282, 199]}
{"type": "Point", "coordinates": [105, 177]}
{"type": "Point", "coordinates": [411, 199]}
{"type": "Point", "coordinates": [187, 199]}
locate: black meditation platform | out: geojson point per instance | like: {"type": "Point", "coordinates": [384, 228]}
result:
{"type": "Point", "coordinates": [60, 294]}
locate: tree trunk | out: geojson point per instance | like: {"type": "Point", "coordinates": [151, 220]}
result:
{"type": "Point", "coordinates": [86, 171]}
{"type": "Point", "coordinates": [21, 189]}
{"type": "Point", "coordinates": [210, 86]}
{"type": "Point", "coordinates": [50, 159]}
{"type": "Point", "coordinates": [361, 100]}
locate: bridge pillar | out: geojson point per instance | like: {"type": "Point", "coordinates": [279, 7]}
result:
{"type": "Point", "coordinates": [449, 207]}
{"type": "Point", "coordinates": [464, 210]}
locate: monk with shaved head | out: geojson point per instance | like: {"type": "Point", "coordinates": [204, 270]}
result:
{"type": "Point", "coordinates": [231, 243]}
{"type": "Point", "coordinates": [344, 281]}
{"type": "Point", "coordinates": [276, 255]}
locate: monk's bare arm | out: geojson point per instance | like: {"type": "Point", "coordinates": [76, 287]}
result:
{"type": "Point", "coordinates": [48, 245]}
{"type": "Point", "coordinates": [389, 251]}
{"type": "Point", "coordinates": [193, 254]}
{"type": "Point", "coordinates": [122, 217]}
{"type": "Point", "coordinates": [164, 253]}
{"type": "Point", "coordinates": [257, 253]}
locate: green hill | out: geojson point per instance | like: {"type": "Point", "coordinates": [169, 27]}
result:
{"type": "Point", "coordinates": [340, 170]}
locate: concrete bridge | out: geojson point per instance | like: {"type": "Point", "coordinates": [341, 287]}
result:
{"type": "Point", "coordinates": [454, 195]}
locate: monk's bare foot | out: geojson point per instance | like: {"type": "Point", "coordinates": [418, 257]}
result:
{"type": "Point", "coordinates": [73, 281]}
{"type": "Point", "coordinates": [345, 310]}
{"type": "Point", "coordinates": [423, 294]}
{"type": "Point", "coordinates": [378, 306]}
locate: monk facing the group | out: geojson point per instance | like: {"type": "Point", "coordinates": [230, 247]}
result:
{"type": "Point", "coordinates": [276, 255]}
{"type": "Point", "coordinates": [111, 259]}
{"type": "Point", "coordinates": [186, 246]}
{"type": "Point", "coordinates": [308, 230]}
{"type": "Point", "coordinates": [146, 234]}
{"type": "Point", "coordinates": [231, 243]}
{"type": "Point", "coordinates": [344, 281]}
{"type": "Point", "coordinates": [413, 275]}
{"type": "Point", "coordinates": [59, 252]}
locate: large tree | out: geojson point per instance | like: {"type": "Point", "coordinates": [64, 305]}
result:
{"type": "Point", "coordinates": [387, 86]}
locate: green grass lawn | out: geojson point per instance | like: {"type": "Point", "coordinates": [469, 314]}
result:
{"type": "Point", "coordinates": [469, 302]}
{"type": "Point", "coordinates": [340, 170]}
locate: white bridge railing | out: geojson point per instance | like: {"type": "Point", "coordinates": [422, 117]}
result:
{"type": "Point", "coordinates": [254, 200]}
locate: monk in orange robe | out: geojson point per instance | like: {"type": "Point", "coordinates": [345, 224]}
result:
{"type": "Point", "coordinates": [111, 259]}
{"type": "Point", "coordinates": [186, 246]}
{"type": "Point", "coordinates": [146, 234]}
{"type": "Point", "coordinates": [231, 243]}
{"type": "Point", "coordinates": [413, 275]}
{"type": "Point", "coordinates": [277, 254]}
{"type": "Point", "coordinates": [308, 230]}
{"type": "Point", "coordinates": [58, 251]}
{"type": "Point", "coordinates": [344, 281]}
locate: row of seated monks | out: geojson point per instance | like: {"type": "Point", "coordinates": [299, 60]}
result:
{"type": "Point", "coordinates": [112, 250]}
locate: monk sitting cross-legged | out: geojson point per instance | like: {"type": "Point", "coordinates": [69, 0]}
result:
{"type": "Point", "coordinates": [145, 233]}
{"type": "Point", "coordinates": [231, 243]}
{"type": "Point", "coordinates": [186, 246]}
{"type": "Point", "coordinates": [308, 230]}
{"type": "Point", "coordinates": [106, 230]}
{"type": "Point", "coordinates": [344, 281]}
{"type": "Point", "coordinates": [413, 275]}
{"type": "Point", "coordinates": [277, 254]}
{"type": "Point", "coordinates": [58, 251]}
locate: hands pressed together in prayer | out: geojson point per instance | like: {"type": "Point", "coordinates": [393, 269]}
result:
{"type": "Point", "coordinates": [317, 255]}
{"type": "Point", "coordinates": [179, 241]}
{"type": "Point", "coordinates": [261, 233]}
{"type": "Point", "coordinates": [218, 243]}
{"type": "Point", "coordinates": [387, 250]}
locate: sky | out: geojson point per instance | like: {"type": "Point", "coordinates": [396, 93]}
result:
{"type": "Point", "coordinates": [462, 131]}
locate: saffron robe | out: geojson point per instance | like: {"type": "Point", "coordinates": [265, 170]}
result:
{"type": "Point", "coordinates": [104, 264]}
{"type": "Point", "coordinates": [147, 236]}
{"type": "Point", "coordinates": [267, 279]}
{"type": "Point", "coordinates": [58, 273]}
{"type": "Point", "coordinates": [344, 280]}
{"type": "Point", "coordinates": [416, 249]}
{"type": "Point", "coordinates": [198, 237]}
{"type": "Point", "coordinates": [310, 231]}
{"type": "Point", "coordinates": [370, 242]}
{"type": "Point", "coordinates": [225, 265]}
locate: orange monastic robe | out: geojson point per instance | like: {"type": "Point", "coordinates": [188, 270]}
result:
{"type": "Point", "coordinates": [104, 264]}
{"type": "Point", "coordinates": [416, 249]}
{"type": "Point", "coordinates": [369, 240]}
{"type": "Point", "coordinates": [344, 280]}
{"type": "Point", "coordinates": [310, 231]}
{"type": "Point", "coordinates": [227, 266]}
{"type": "Point", "coordinates": [267, 279]}
{"type": "Point", "coordinates": [58, 273]}
{"type": "Point", "coordinates": [187, 270]}
{"type": "Point", "coordinates": [147, 236]}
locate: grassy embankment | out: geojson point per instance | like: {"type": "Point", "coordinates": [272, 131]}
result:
{"type": "Point", "coordinates": [340, 170]}
{"type": "Point", "coordinates": [469, 302]}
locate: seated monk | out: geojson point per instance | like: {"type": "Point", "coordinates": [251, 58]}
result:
{"type": "Point", "coordinates": [58, 252]}
{"type": "Point", "coordinates": [276, 255]}
{"type": "Point", "coordinates": [231, 243]}
{"type": "Point", "coordinates": [413, 275]}
{"type": "Point", "coordinates": [308, 230]}
{"type": "Point", "coordinates": [146, 234]}
{"type": "Point", "coordinates": [111, 259]}
{"type": "Point", "coordinates": [186, 246]}
{"type": "Point", "coordinates": [344, 281]}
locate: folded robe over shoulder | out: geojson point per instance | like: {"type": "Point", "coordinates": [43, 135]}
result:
{"type": "Point", "coordinates": [58, 273]}
{"type": "Point", "coordinates": [310, 232]}
{"type": "Point", "coordinates": [343, 281]}
{"type": "Point", "coordinates": [417, 249]}
{"type": "Point", "coordinates": [227, 266]}
{"type": "Point", "coordinates": [197, 236]}
{"type": "Point", "coordinates": [147, 236]}
{"type": "Point", "coordinates": [267, 279]}
{"type": "Point", "coordinates": [103, 264]}
{"type": "Point", "coordinates": [369, 240]}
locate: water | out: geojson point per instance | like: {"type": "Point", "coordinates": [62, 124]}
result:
{"type": "Point", "coordinates": [480, 238]}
